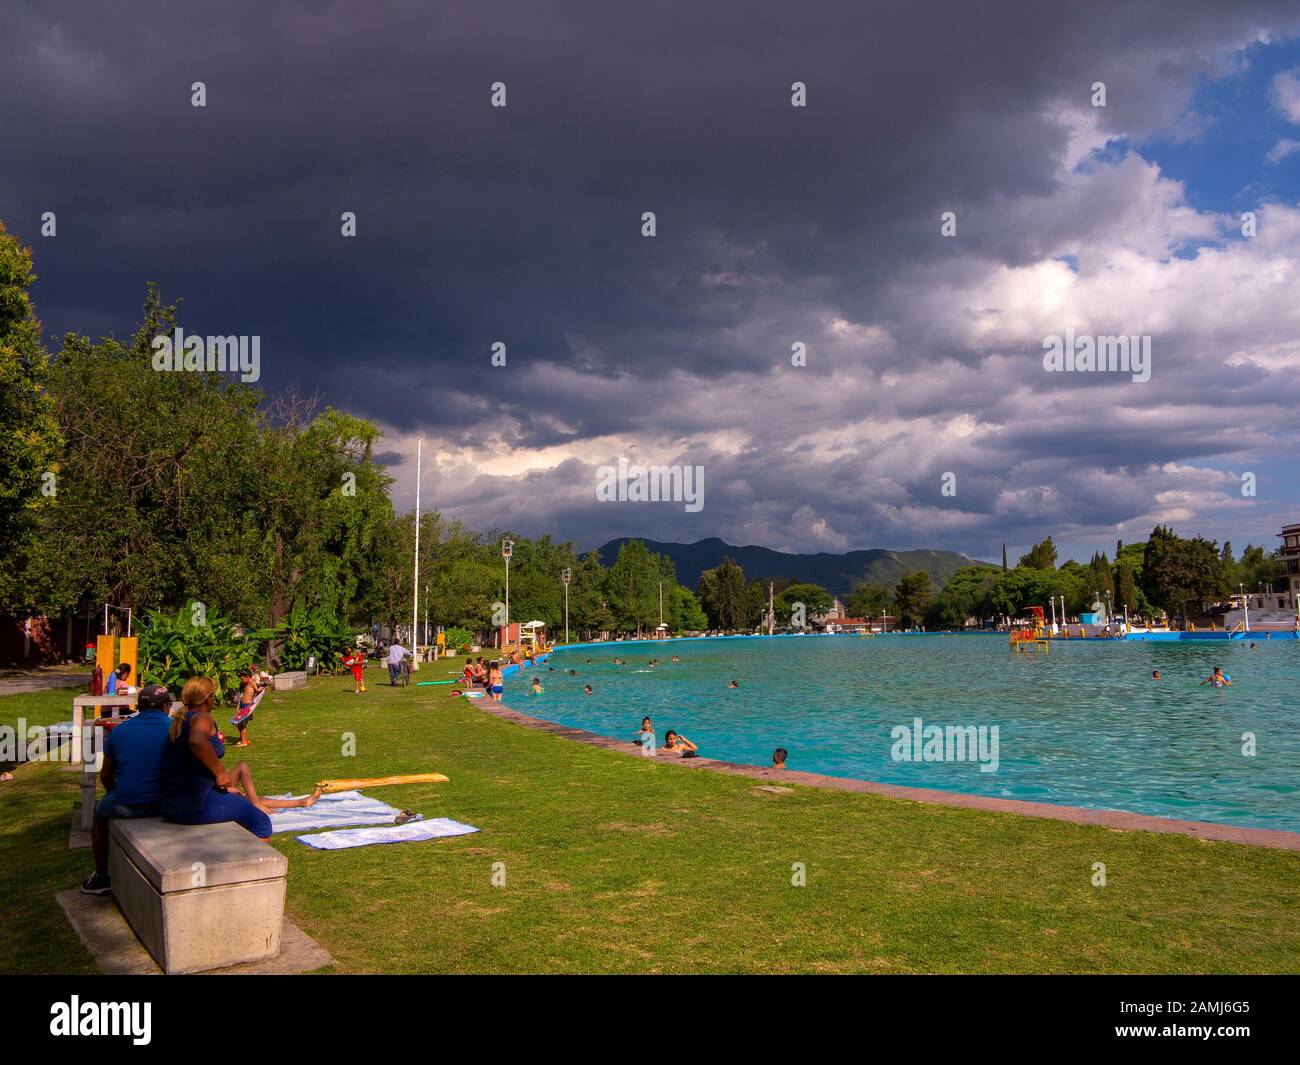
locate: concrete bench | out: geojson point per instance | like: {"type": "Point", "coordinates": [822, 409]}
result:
{"type": "Point", "coordinates": [285, 682]}
{"type": "Point", "coordinates": [198, 896]}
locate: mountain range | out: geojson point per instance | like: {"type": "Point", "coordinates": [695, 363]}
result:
{"type": "Point", "coordinates": [836, 573]}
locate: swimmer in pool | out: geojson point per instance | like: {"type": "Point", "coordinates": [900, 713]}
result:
{"type": "Point", "coordinates": [734, 684]}
{"type": "Point", "coordinates": [537, 686]}
{"type": "Point", "coordinates": [679, 744]}
{"type": "Point", "coordinates": [586, 689]}
{"type": "Point", "coordinates": [1217, 679]}
{"type": "Point", "coordinates": [573, 672]}
{"type": "Point", "coordinates": [778, 758]}
{"type": "Point", "coordinates": [645, 735]}
{"type": "Point", "coordinates": [676, 659]}
{"type": "Point", "coordinates": [1155, 674]}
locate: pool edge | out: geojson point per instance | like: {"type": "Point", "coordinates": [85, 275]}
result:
{"type": "Point", "coordinates": [1276, 839]}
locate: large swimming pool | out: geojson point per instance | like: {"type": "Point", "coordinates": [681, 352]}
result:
{"type": "Point", "coordinates": [1085, 725]}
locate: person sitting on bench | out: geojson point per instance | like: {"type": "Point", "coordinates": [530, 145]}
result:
{"type": "Point", "coordinates": [131, 774]}
{"type": "Point", "coordinates": [194, 788]}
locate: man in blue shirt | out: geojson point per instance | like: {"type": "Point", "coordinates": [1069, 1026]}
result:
{"type": "Point", "coordinates": [133, 754]}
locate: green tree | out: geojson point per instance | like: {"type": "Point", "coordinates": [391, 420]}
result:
{"type": "Point", "coordinates": [816, 600]}
{"type": "Point", "coordinates": [1179, 575]}
{"type": "Point", "coordinates": [966, 594]}
{"type": "Point", "coordinates": [29, 433]}
{"type": "Point", "coordinates": [911, 598]}
{"type": "Point", "coordinates": [1098, 583]}
{"type": "Point", "coordinates": [1040, 556]}
{"type": "Point", "coordinates": [723, 595]}
{"type": "Point", "coordinates": [867, 600]}
{"type": "Point", "coordinates": [633, 588]}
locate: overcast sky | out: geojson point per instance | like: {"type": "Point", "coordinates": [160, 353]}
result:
{"type": "Point", "coordinates": [776, 224]}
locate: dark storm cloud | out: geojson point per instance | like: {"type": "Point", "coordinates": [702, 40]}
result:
{"type": "Point", "coordinates": [521, 225]}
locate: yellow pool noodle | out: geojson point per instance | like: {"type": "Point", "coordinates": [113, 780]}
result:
{"type": "Point", "coordinates": [375, 782]}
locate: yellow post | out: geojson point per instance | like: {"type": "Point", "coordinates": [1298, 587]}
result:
{"type": "Point", "coordinates": [106, 654]}
{"type": "Point", "coordinates": [128, 652]}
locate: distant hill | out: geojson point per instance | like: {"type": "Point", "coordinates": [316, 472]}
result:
{"type": "Point", "coordinates": [836, 573]}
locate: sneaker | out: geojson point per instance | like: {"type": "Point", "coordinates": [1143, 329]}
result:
{"type": "Point", "coordinates": [97, 884]}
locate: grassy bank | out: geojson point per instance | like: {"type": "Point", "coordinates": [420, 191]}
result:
{"type": "Point", "coordinates": [616, 865]}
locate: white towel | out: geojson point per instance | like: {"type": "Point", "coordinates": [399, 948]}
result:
{"type": "Point", "coordinates": [411, 832]}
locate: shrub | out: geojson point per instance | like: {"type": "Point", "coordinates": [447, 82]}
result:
{"type": "Point", "coordinates": [305, 633]}
{"type": "Point", "coordinates": [458, 639]}
{"type": "Point", "coordinates": [174, 649]}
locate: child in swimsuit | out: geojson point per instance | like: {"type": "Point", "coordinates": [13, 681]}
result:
{"type": "Point", "coordinates": [1217, 679]}
{"type": "Point", "coordinates": [247, 694]}
{"type": "Point", "coordinates": [356, 662]}
{"type": "Point", "coordinates": [537, 686]}
{"type": "Point", "coordinates": [674, 742]}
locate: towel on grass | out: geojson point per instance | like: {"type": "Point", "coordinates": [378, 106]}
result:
{"type": "Point", "coordinates": [411, 832]}
{"type": "Point", "coordinates": [334, 811]}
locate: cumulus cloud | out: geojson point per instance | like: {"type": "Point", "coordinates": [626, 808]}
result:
{"type": "Point", "coordinates": [776, 225]}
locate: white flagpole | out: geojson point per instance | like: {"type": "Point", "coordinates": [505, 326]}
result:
{"type": "Point", "coordinates": [415, 583]}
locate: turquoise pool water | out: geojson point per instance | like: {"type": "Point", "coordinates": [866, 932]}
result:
{"type": "Point", "coordinates": [1083, 726]}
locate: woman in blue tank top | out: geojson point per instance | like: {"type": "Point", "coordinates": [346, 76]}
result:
{"type": "Point", "coordinates": [194, 782]}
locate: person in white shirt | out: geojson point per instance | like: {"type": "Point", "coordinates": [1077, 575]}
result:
{"type": "Point", "coordinates": [396, 652]}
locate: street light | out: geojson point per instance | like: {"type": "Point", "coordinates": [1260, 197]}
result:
{"type": "Point", "coordinates": [507, 549]}
{"type": "Point", "coordinates": [566, 577]}
{"type": "Point", "coordinates": [1245, 606]}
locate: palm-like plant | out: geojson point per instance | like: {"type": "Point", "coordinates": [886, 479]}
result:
{"type": "Point", "coordinates": [306, 633]}
{"type": "Point", "coordinates": [194, 643]}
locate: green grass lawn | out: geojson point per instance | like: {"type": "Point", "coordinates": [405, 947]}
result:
{"type": "Point", "coordinates": [616, 865]}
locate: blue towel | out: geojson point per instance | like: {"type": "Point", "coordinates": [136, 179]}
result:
{"type": "Point", "coordinates": [411, 832]}
{"type": "Point", "coordinates": [334, 811]}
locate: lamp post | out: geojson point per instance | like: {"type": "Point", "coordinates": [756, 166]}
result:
{"type": "Point", "coordinates": [1245, 606]}
{"type": "Point", "coordinates": [507, 549]}
{"type": "Point", "coordinates": [566, 577]}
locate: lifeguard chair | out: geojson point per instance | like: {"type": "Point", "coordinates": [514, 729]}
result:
{"type": "Point", "coordinates": [1031, 635]}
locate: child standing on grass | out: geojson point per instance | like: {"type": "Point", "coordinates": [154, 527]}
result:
{"type": "Point", "coordinates": [247, 699]}
{"type": "Point", "coordinates": [356, 662]}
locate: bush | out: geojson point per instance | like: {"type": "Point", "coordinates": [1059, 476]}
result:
{"type": "Point", "coordinates": [174, 649]}
{"type": "Point", "coordinates": [305, 633]}
{"type": "Point", "coordinates": [458, 639]}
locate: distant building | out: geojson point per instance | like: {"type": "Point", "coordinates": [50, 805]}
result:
{"type": "Point", "coordinates": [836, 619]}
{"type": "Point", "coordinates": [1271, 610]}
{"type": "Point", "coordinates": [1290, 553]}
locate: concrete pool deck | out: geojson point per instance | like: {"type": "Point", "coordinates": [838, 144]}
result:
{"type": "Point", "coordinates": [1114, 819]}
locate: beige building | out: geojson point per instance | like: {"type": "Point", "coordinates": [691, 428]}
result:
{"type": "Point", "coordinates": [1290, 552]}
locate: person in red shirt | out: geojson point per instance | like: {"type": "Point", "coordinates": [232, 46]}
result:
{"type": "Point", "coordinates": [356, 661]}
